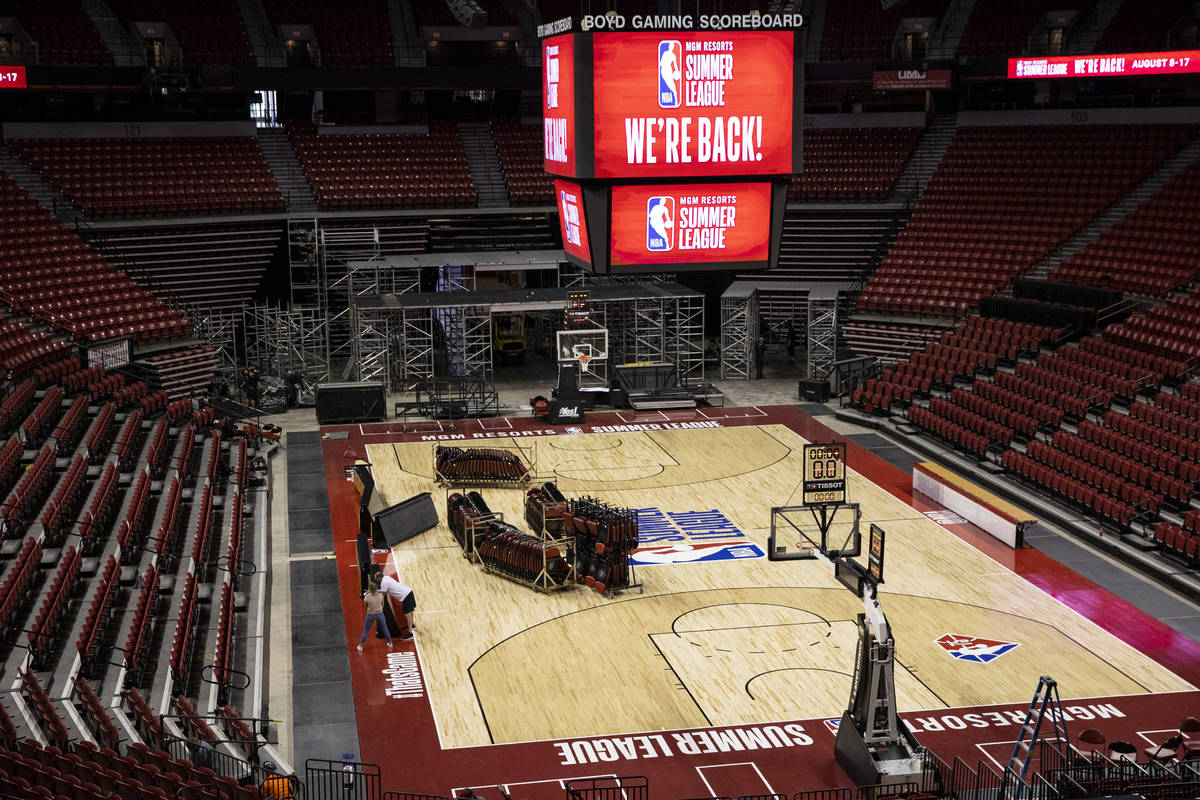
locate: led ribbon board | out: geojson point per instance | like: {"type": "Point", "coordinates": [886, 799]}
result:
{"type": "Point", "coordinates": [1170, 62]}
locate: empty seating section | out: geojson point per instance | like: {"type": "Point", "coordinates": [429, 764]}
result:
{"type": "Point", "coordinates": [129, 441]}
{"type": "Point", "coordinates": [1134, 363]}
{"type": "Point", "coordinates": [859, 30]}
{"type": "Point", "coordinates": [137, 641]}
{"type": "Point", "coordinates": [210, 32]}
{"type": "Point", "coordinates": [59, 513]}
{"type": "Point", "coordinates": [221, 655]}
{"type": "Point", "coordinates": [1072, 396]}
{"type": "Point", "coordinates": [1172, 329]}
{"type": "Point", "coordinates": [23, 350]}
{"type": "Point", "coordinates": [1004, 29]}
{"type": "Point", "coordinates": [132, 528]}
{"type": "Point", "coordinates": [10, 463]}
{"type": "Point", "coordinates": [352, 33]}
{"type": "Point", "coordinates": [44, 633]}
{"type": "Point", "coordinates": [1134, 474]}
{"type": "Point", "coordinates": [43, 709]}
{"type": "Point", "coordinates": [57, 371]}
{"type": "Point", "coordinates": [68, 616]}
{"type": "Point", "coordinates": [45, 416]}
{"type": "Point", "coordinates": [69, 429]}
{"type": "Point", "coordinates": [102, 726]}
{"type": "Point", "coordinates": [101, 508]}
{"type": "Point", "coordinates": [1055, 478]}
{"type": "Point", "coordinates": [157, 176]}
{"type": "Point", "coordinates": [30, 492]}
{"type": "Point", "coordinates": [1001, 199]}
{"type": "Point", "coordinates": [852, 163]}
{"type": "Point", "coordinates": [185, 631]}
{"type": "Point", "coordinates": [156, 455]}
{"type": "Point", "coordinates": [386, 169]}
{"type": "Point", "coordinates": [961, 351]}
{"type": "Point", "coordinates": [437, 13]}
{"type": "Point", "coordinates": [1023, 397]}
{"type": "Point", "coordinates": [204, 522]}
{"type": "Point", "coordinates": [18, 579]}
{"type": "Point", "coordinates": [49, 272]}
{"type": "Point", "coordinates": [520, 149]}
{"type": "Point", "coordinates": [1099, 380]}
{"type": "Point", "coordinates": [98, 611]}
{"type": "Point", "coordinates": [1139, 27]}
{"type": "Point", "coordinates": [15, 406]}
{"type": "Point", "coordinates": [63, 30]}
{"type": "Point", "coordinates": [1153, 250]}
{"type": "Point", "coordinates": [946, 428]}
{"type": "Point", "coordinates": [1176, 473]}
{"type": "Point", "coordinates": [168, 526]}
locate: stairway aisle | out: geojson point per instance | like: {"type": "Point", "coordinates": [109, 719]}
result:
{"type": "Point", "coordinates": [484, 164]}
{"type": "Point", "coordinates": [31, 181]}
{"type": "Point", "coordinates": [925, 158]}
{"type": "Point", "coordinates": [285, 166]}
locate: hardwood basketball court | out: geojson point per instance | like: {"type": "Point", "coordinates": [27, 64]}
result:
{"type": "Point", "coordinates": [717, 642]}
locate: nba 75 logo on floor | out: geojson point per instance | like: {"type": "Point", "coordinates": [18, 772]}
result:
{"type": "Point", "coordinates": [974, 648]}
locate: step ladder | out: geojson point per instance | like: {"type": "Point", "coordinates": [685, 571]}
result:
{"type": "Point", "coordinates": [1045, 703]}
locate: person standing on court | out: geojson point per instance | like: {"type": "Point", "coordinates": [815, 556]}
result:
{"type": "Point", "coordinates": [760, 354]}
{"type": "Point", "coordinates": [404, 597]}
{"type": "Point", "coordinates": [373, 601]}
{"type": "Point", "coordinates": [791, 342]}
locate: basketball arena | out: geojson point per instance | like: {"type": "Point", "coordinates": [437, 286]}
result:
{"type": "Point", "coordinates": [772, 401]}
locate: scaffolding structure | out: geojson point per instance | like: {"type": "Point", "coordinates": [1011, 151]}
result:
{"type": "Point", "coordinates": [822, 333]}
{"type": "Point", "coordinates": [739, 330]}
{"type": "Point", "coordinates": [274, 339]}
{"type": "Point", "coordinates": [426, 336]}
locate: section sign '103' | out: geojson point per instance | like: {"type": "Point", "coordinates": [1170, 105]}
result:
{"type": "Point", "coordinates": [722, 224]}
{"type": "Point", "coordinates": [684, 103]}
{"type": "Point", "coordinates": [558, 103]}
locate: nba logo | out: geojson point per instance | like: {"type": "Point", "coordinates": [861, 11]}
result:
{"type": "Point", "coordinates": [660, 224]}
{"type": "Point", "coordinates": [552, 77]}
{"type": "Point", "coordinates": [974, 648]}
{"type": "Point", "coordinates": [570, 219]}
{"type": "Point", "coordinates": [670, 61]}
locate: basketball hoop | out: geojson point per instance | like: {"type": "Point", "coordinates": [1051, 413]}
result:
{"type": "Point", "coordinates": [584, 358]}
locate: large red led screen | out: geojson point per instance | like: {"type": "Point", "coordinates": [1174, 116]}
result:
{"type": "Point", "coordinates": [683, 104]}
{"type": "Point", "coordinates": [690, 224]}
{"type": "Point", "coordinates": [558, 103]}
{"type": "Point", "coordinates": [571, 220]}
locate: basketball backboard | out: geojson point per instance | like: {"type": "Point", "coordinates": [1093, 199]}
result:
{"type": "Point", "coordinates": [583, 347]}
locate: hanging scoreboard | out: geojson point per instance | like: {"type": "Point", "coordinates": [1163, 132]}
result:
{"type": "Point", "coordinates": [824, 479]}
{"type": "Point", "coordinates": [681, 143]}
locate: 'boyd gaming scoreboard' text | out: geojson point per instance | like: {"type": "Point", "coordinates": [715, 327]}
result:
{"type": "Point", "coordinates": [626, 110]}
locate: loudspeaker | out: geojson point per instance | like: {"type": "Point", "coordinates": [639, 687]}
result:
{"type": "Point", "coordinates": [405, 520]}
{"type": "Point", "coordinates": [350, 402]}
{"type": "Point", "coordinates": [469, 13]}
{"type": "Point", "coordinates": [814, 391]}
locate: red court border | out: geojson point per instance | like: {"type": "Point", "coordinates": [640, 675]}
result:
{"type": "Point", "coordinates": [400, 735]}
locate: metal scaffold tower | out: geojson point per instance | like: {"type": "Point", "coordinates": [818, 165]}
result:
{"type": "Point", "coordinates": [339, 248]}
{"type": "Point", "coordinates": [647, 333]}
{"type": "Point", "coordinates": [281, 340]}
{"type": "Point", "coordinates": [739, 329]}
{"type": "Point", "coordinates": [219, 330]}
{"type": "Point", "coordinates": [822, 333]}
{"type": "Point", "coordinates": [684, 326]}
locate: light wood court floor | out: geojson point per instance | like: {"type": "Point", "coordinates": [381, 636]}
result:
{"type": "Point", "coordinates": [720, 642]}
